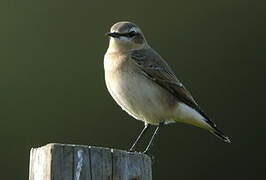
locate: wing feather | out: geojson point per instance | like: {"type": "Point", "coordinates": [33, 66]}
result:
{"type": "Point", "coordinates": [152, 64]}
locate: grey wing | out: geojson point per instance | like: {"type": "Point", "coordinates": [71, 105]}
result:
{"type": "Point", "coordinates": [159, 71]}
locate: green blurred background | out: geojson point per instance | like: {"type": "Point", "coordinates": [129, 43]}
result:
{"type": "Point", "coordinates": [52, 81]}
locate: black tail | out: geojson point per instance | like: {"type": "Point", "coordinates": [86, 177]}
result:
{"type": "Point", "coordinates": [213, 129]}
{"type": "Point", "coordinates": [220, 134]}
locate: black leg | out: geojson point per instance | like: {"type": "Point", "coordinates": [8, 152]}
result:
{"type": "Point", "coordinates": [146, 127]}
{"type": "Point", "coordinates": [152, 138]}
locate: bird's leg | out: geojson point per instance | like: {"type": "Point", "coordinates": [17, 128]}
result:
{"type": "Point", "coordinates": [146, 127]}
{"type": "Point", "coordinates": [153, 137]}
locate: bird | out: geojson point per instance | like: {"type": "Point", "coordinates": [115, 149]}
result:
{"type": "Point", "coordinates": [143, 84]}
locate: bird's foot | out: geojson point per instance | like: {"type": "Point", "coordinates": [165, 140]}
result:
{"type": "Point", "coordinates": [133, 151]}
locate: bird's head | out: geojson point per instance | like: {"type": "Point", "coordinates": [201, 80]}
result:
{"type": "Point", "coordinates": [126, 36]}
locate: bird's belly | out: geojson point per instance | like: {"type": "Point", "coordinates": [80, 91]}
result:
{"type": "Point", "coordinates": [139, 96]}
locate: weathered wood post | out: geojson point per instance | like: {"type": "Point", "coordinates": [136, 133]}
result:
{"type": "Point", "coordinates": [79, 162]}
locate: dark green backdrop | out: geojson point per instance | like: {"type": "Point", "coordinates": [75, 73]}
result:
{"type": "Point", "coordinates": [52, 81]}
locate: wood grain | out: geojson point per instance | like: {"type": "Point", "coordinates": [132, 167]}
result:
{"type": "Point", "coordinates": [79, 162]}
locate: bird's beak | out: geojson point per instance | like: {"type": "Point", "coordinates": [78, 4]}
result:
{"type": "Point", "coordinates": [112, 34]}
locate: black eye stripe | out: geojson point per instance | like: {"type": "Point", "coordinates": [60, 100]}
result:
{"type": "Point", "coordinates": [130, 34]}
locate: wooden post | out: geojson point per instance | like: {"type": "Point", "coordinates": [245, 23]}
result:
{"type": "Point", "coordinates": [78, 162]}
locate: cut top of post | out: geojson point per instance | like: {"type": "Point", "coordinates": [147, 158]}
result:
{"type": "Point", "coordinates": [79, 162]}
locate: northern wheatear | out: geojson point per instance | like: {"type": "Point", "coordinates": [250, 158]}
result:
{"type": "Point", "coordinates": [144, 85]}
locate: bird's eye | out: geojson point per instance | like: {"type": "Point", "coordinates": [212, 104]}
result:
{"type": "Point", "coordinates": [132, 34]}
